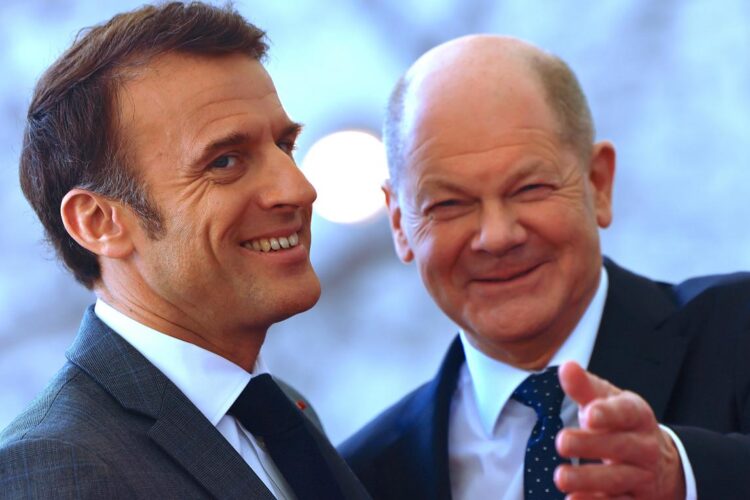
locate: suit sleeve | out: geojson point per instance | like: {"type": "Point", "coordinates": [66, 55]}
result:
{"type": "Point", "coordinates": [50, 468]}
{"type": "Point", "coordinates": [720, 462]}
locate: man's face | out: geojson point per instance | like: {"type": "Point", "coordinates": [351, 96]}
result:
{"type": "Point", "coordinates": [500, 217]}
{"type": "Point", "coordinates": [213, 145]}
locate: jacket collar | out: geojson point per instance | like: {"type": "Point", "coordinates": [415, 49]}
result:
{"type": "Point", "coordinates": [421, 452]}
{"type": "Point", "coordinates": [638, 343]}
{"type": "Point", "coordinates": [179, 428]}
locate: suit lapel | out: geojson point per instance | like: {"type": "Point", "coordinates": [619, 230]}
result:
{"type": "Point", "coordinates": [190, 439]}
{"type": "Point", "coordinates": [638, 348]}
{"type": "Point", "coordinates": [419, 460]}
{"type": "Point", "coordinates": [179, 428]}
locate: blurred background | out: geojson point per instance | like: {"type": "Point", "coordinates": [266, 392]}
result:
{"type": "Point", "coordinates": [668, 83]}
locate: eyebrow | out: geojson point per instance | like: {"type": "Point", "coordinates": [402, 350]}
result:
{"type": "Point", "coordinates": [293, 128]}
{"type": "Point", "coordinates": [235, 139]}
{"type": "Point", "coordinates": [441, 186]}
{"type": "Point", "coordinates": [228, 141]}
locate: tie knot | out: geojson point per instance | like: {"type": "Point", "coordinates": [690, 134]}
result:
{"type": "Point", "coordinates": [264, 409]}
{"type": "Point", "coordinates": [541, 392]}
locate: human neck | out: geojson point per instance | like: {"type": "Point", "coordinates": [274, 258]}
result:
{"type": "Point", "coordinates": [533, 350]}
{"type": "Point", "coordinates": [240, 345]}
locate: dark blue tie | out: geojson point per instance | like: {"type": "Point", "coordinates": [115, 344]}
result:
{"type": "Point", "coordinates": [266, 412]}
{"type": "Point", "coordinates": [542, 392]}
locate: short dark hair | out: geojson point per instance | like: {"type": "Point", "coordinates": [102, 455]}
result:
{"type": "Point", "coordinates": [73, 135]}
{"type": "Point", "coordinates": [563, 94]}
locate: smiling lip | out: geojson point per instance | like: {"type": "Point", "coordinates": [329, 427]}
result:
{"type": "Point", "coordinates": [273, 244]}
{"type": "Point", "coordinates": [507, 277]}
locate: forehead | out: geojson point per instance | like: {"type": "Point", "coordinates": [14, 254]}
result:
{"type": "Point", "coordinates": [177, 99]}
{"type": "Point", "coordinates": [477, 98]}
{"type": "Point", "coordinates": [465, 116]}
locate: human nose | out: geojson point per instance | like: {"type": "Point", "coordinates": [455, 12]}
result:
{"type": "Point", "coordinates": [287, 185]}
{"type": "Point", "coordinates": [499, 230]}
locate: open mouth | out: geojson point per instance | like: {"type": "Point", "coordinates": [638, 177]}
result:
{"type": "Point", "coordinates": [266, 245]}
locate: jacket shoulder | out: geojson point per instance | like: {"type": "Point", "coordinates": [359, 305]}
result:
{"type": "Point", "coordinates": [53, 468]}
{"type": "Point", "coordinates": [45, 452]}
{"type": "Point", "coordinates": [648, 291]}
{"type": "Point", "coordinates": [717, 284]}
{"type": "Point", "coordinates": [38, 412]}
{"type": "Point", "coordinates": [72, 409]}
{"type": "Point", "coordinates": [370, 442]}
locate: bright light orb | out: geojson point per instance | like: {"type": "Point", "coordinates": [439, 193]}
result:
{"type": "Point", "coordinates": [347, 169]}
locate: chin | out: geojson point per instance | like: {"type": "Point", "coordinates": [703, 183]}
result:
{"type": "Point", "coordinates": [304, 304]}
{"type": "Point", "coordinates": [299, 301]}
{"type": "Point", "coordinates": [508, 328]}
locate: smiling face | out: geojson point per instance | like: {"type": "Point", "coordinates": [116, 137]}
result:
{"type": "Point", "coordinates": [212, 143]}
{"type": "Point", "coordinates": [500, 216]}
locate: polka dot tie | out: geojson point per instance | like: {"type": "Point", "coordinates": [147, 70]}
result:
{"type": "Point", "coordinates": [542, 393]}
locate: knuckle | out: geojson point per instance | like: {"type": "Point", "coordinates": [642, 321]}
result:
{"type": "Point", "coordinates": [635, 411]}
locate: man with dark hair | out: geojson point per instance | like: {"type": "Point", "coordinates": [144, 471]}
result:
{"type": "Point", "coordinates": [497, 192]}
{"type": "Point", "coordinates": [159, 160]}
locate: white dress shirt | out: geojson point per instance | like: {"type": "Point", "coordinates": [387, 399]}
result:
{"type": "Point", "coordinates": [488, 430]}
{"type": "Point", "coordinates": [211, 382]}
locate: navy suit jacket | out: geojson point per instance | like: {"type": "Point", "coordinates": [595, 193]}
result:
{"type": "Point", "coordinates": [110, 425]}
{"type": "Point", "coordinates": [684, 348]}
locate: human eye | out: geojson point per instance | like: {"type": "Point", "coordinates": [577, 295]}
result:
{"type": "Point", "coordinates": [447, 208]}
{"type": "Point", "coordinates": [533, 191]}
{"type": "Point", "coordinates": [445, 204]}
{"type": "Point", "coordinates": [288, 146]}
{"type": "Point", "coordinates": [224, 162]}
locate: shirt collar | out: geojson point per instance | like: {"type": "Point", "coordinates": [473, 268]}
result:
{"type": "Point", "coordinates": [212, 383]}
{"type": "Point", "coordinates": [494, 381]}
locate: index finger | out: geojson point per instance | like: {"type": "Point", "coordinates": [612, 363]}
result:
{"type": "Point", "coordinates": [582, 386]}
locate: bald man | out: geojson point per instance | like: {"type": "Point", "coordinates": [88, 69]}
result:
{"type": "Point", "coordinates": [497, 192]}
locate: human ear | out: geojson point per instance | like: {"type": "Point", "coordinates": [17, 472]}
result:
{"type": "Point", "coordinates": [601, 179]}
{"type": "Point", "coordinates": [97, 223]}
{"type": "Point", "coordinates": [394, 215]}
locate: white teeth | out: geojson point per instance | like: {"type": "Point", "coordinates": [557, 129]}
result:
{"type": "Point", "coordinates": [273, 244]}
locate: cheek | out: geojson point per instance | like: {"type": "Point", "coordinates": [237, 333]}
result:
{"type": "Point", "coordinates": [561, 224]}
{"type": "Point", "coordinates": [571, 236]}
{"type": "Point", "coordinates": [207, 224]}
{"type": "Point", "coordinates": [438, 250]}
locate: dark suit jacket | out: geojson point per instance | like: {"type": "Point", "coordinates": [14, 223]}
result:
{"type": "Point", "coordinates": [684, 348]}
{"type": "Point", "coordinates": [110, 425]}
